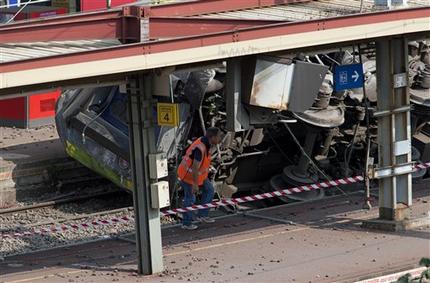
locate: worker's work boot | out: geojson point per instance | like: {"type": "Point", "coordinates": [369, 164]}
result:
{"type": "Point", "coordinates": [190, 227]}
{"type": "Point", "coordinates": [206, 219]}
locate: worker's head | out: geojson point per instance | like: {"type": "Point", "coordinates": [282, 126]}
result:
{"type": "Point", "coordinates": [413, 47]}
{"type": "Point", "coordinates": [214, 135]}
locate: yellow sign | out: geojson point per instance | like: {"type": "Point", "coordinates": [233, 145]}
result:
{"type": "Point", "coordinates": [168, 114]}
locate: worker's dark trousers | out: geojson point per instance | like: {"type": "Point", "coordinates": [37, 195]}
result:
{"type": "Point", "coordinates": [207, 191]}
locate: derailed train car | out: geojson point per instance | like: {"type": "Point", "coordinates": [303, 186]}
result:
{"type": "Point", "coordinates": [289, 127]}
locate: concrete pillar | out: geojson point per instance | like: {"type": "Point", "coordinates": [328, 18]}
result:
{"type": "Point", "coordinates": [237, 118]}
{"type": "Point", "coordinates": [142, 143]}
{"type": "Point", "coordinates": [394, 133]}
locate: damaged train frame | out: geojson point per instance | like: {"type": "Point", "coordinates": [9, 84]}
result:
{"type": "Point", "coordinates": [284, 123]}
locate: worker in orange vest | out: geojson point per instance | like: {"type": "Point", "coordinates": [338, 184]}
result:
{"type": "Point", "coordinates": [193, 176]}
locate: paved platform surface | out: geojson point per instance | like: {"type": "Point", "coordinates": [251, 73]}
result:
{"type": "Point", "coordinates": [325, 245]}
{"type": "Point", "coordinates": [34, 162]}
{"type": "Point", "coordinates": [29, 145]}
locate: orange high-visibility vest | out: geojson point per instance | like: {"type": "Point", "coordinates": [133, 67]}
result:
{"type": "Point", "coordinates": [185, 171]}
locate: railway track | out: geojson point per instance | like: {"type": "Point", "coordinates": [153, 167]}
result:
{"type": "Point", "coordinates": [89, 216]}
{"type": "Point", "coordinates": [87, 233]}
{"type": "Point", "coordinates": [66, 238]}
{"type": "Point", "coordinates": [79, 255]}
{"type": "Point", "coordinates": [51, 203]}
{"type": "Point", "coordinates": [40, 235]}
{"type": "Point", "coordinates": [87, 208]}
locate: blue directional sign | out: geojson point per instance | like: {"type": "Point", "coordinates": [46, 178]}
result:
{"type": "Point", "coordinates": [348, 77]}
{"type": "Point", "coordinates": [13, 3]}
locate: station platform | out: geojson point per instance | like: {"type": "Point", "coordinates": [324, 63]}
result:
{"type": "Point", "coordinates": [32, 161]}
{"type": "Point", "coordinates": [325, 244]}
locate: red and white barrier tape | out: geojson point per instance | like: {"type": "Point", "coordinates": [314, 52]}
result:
{"type": "Point", "coordinates": [280, 193]}
{"type": "Point", "coordinates": [422, 166]}
{"type": "Point", "coordinates": [225, 202]}
{"type": "Point", "coordinates": [306, 188]}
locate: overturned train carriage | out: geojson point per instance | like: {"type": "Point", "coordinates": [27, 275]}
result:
{"type": "Point", "coordinates": [284, 124]}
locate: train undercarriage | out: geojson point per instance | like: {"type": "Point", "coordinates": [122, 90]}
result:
{"type": "Point", "coordinates": [288, 126]}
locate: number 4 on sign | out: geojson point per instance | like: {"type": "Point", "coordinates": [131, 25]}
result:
{"type": "Point", "coordinates": [166, 117]}
{"type": "Point", "coordinates": [168, 114]}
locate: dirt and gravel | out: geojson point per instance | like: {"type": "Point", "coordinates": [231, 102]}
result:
{"type": "Point", "coordinates": [326, 245]}
{"type": "Point", "coordinates": [15, 136]}
{"type": "Point", "coordinates": [10, 246]}
{"type": "Point", "coordinates": [70, 213]}
{"type": "Point", "coordinates": [105, 207]}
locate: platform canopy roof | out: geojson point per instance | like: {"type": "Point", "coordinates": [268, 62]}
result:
{"type": "Point", "coordinates": [52, 52]}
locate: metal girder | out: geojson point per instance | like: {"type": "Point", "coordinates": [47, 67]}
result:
{"type": "Point", "coordinates": [167, 27]}
{"type": "Point", "coordinates": [214, 6]}
{"type": "Point", "coordinates": [126, 28]}
{"type": "Point", "coordinates": [232, 36]}
{"type": "Point", "coordinates": [71, 27]}
{"type": "Point", "coordinates": [124, 24]}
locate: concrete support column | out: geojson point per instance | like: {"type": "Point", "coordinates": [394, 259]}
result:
{"type": "Point", "coordinates": [394, 133]}
{"type": "Point", "coordinates": [237, 119]}
{"type": "Point", "coordinates": [142, 143]}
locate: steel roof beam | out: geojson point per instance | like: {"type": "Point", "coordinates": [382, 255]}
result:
{"type": "Point", "coordinates": [171, 27]}
{"type": "Point", "coordinates": [124, 26]}
{"type": "Point", "coordinates": [226, 37]}
{"type": "Point", "coordinates": [112, 24]}
{"type": "Point", "coordinates": [73, 27]}
{"type": "Point", "coordinates": [214, 6]}
{"type": "Point", "coordinates": [329, 32]}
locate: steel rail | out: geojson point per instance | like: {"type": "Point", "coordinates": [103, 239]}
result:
{"type": "Point", "coordinates": [54, 202]}
{"type": "Point", "coordinates": [74, 218]}
{"type": "Point", "coordinates": [121, 236]}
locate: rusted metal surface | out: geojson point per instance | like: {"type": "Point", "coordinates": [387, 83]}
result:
{"type": "Point", "coordinates": [271, 85]}
{"type": "Point", "coordinates": [273, 81]}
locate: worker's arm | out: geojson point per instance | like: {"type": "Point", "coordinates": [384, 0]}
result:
{"type": "Point", "coordinates": [195, 167]}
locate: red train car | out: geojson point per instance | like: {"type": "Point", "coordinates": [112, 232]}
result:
{"type": "Point", "coordinates": [29, 112]}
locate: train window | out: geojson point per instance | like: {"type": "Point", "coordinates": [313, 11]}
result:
{"type": "Point", "coordinates": [100, 99]}
{"type": "Point", "coordinates": [116, 111]}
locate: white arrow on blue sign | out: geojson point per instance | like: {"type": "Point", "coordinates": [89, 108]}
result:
{"type": "Point", "coordinates": [348, 77]}
{"type": "Point", "coordinates": [13, 3]}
